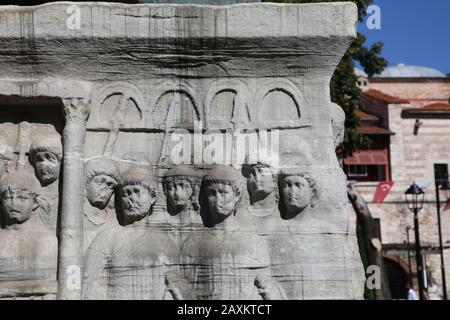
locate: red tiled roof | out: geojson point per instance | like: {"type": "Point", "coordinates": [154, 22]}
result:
{"type": "Point", "coordinates": [373, 130]}
{"type": "Point", "coordinates": [368, 157]}
{"type": "Point", "coordinates": [365, 116]}
{"type": "Point", "coordinates": [427, 100]}
{"type": "Point", "coordinates": [431, 111]}
{"type": "Point", "coordinates": [378, 95]}
{"type": "Point", "coordinates": [437, 107]}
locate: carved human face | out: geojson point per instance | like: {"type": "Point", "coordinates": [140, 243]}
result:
{"type": "Point", "coordinates": [297, 193]}
{"type": "Point", "coordinates": [17, 205]}
{"type": "Point", "coordinates": [100, 189]}
{"type": "Point", "coordinates": [46, 167]}
{"type": "Point", "coordinates": [221, 200]}
{"type": "Point", "coordinates": [136, 202]}
{"type": "Point", "coordinates": [179, 193]}
{"type": "Point", "coordinates": [260, 182]}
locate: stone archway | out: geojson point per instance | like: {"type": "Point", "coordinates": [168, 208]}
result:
{"type": "Point", "coordinates": [397, 274]}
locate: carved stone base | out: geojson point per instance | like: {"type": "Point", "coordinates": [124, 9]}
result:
{"type": "Point", "coordinates": [238, 94]}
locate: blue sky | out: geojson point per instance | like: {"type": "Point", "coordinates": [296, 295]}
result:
{"type": "Point", "coordinates": [414, 32]}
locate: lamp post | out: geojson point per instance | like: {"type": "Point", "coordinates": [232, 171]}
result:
{"type": "Point", "coordinates": [445, 185]}
{"type": "Point", "coordinates": [414, 198]}
{"type": "Point", "coordinates": [409, 254]}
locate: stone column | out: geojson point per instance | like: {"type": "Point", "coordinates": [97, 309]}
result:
{"type": "Point", "coordinates": [70, 261]}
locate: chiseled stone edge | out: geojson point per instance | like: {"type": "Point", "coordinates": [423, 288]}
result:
{"type": "Point", "coordinates": [106, 20]}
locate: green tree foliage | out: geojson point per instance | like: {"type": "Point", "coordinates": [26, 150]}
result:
{"type": "Point", "coordinates": [344, 90]}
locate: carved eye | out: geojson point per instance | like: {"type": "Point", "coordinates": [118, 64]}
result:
{"type": "Point", "coordinates": [212, 193]}
{"type": "Point", "coordinates": [186, 186]}
{"type": "Point", "coordinates": [297, 184]}
{"type": "Point", "coordinates": [51, 157]}
{"type": "Point", "coordinates": [40, 157]}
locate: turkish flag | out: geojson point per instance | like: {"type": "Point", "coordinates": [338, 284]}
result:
{"type": "Point", "coordinates": [447, 205]}
{"type": "Point", "coordinates": [382, 191]}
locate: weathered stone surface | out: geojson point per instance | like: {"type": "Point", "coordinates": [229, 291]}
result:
{"type": "Point", "coordinates": [209, 2]}
{"type": "Point", "coordinates": [134, 124]}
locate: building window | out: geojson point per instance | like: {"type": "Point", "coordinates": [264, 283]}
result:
{"type": "Point", "coordinates": [357, 170]}
{"type": "Point", "coordinates": [441, 172]}
{"type": "Point", "coordinates": [366, 173]}
{"type": "Point", "coordinates": [381, 173]}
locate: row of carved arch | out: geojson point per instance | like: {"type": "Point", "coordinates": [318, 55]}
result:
{"type": "Point", "coordinates": [227, 103]}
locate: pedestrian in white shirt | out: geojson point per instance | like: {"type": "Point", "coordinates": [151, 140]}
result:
{"type": "Point", "coordinates": [411, 293]}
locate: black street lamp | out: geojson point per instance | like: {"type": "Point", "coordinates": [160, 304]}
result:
{"type": "Point", "coordinates": [414, 198]}
{"type": "Point", "coordinates": [445, 185]}
{"type": "Point", "coordinates": [409, 255]}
